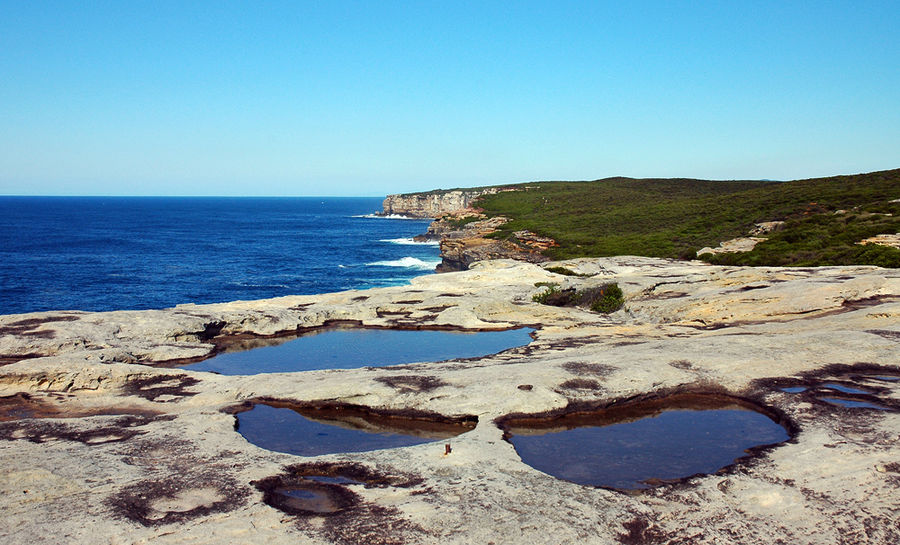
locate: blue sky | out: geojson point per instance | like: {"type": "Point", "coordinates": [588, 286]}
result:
{"type": "Point", "coordinates": [369, 98]}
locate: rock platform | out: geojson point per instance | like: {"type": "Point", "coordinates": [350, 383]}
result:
{"type": "Point", "coordinates": [103, 441]}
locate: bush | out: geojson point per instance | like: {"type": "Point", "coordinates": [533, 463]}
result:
{"type": "Point", "coordinates": [554, 296]}
{"type": "Point", "coordinates": [607, 298]}
{"type": "Point", "coordinates": [603, 299]}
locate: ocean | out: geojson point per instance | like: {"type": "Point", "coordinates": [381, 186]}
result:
{"type": "Point", "coordinates": [113, 253]}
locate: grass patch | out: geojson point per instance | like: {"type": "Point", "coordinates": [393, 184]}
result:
{"type": "Point", "coordinates": [675, 217]}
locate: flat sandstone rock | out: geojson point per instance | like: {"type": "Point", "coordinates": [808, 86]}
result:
{"type": "Point", "coordinates": [100, 444]}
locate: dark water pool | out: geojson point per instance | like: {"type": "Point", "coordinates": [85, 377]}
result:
{"type": "Point", "coordinates": [313, 432]}
{"type": "Point", "coordinates": [637, 447]}
{"type": "Point", "coordinates": [344, 348]}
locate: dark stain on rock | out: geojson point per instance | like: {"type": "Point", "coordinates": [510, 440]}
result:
{"type": "Point", "coordinates": [24, 405]}
{"type": "Point", "coordinates": [29, 325]}
{"type": "Point", "coordinates": [525, 387]}
{"type": "Point", "coordinates": [591, 369]}
{"type": "Point", "coordinates": [157, 386]}
{"type": "Point", "coordinates": [38, 431]}
{"type": "Point", "coordinates": [210, 330]}
{"type": "Point", "coordinates": [410, 302]}
{"type": "Point", "coordinates": [682, 364]}
{"type": "Point", "coordinates": [664, 295]}
{"type": "Point", "coordinates": [753, 287]}
{"type": "Point", "coordinates": [6, 359]}
{"type": "Point", "coordinates": [580, 384]}
{"type": "Point", "coordinates": [438, 308]}
{"type": "Point", "coordinates": [886, 333]}
{"type": "Point", "coordinates": [412, 383]}
{"type": "Point", "coordinates": [638, 531]}
{"type": "Point", "coordinates": [178, 499]}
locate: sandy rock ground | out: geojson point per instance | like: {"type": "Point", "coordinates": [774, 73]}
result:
{"type": "Point", "coordinates": [101, 444]}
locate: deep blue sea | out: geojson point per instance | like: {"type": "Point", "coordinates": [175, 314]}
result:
{"type": "Point", "coordinates": [111, 253]}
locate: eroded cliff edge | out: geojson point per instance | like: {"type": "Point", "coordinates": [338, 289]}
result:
{"type": "Point", "coordinates": [464, 233]}
{"type": "Point", "coordinates": [98, 442]}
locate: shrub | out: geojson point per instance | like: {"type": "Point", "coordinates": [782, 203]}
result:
{"type": "Point", "coordinates": [611, 299]}
{"type": "Point", "coordinates": [604, 299]}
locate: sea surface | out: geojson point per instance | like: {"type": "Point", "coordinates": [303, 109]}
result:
{"type": "Point", "coordinates": [112, 253]}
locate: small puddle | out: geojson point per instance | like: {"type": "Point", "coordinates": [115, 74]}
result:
{"type": "Point", "coordinates": [346, 348]}
{"type": "Point", "coordinates": [643, 444]}
{"type": "Point", "coordinates": [845, 389]}
{"type": "Point", "coordinates": [854, 397]}
{"type": "Point", "coordinates": [313, 432]}
{"type": "Point", "coordinates": [886, 378]}
{"type": "Point", "coordinates": [794, 389]}
{"type": "Point", "coordinates": [309, 497]}
{"type": "Point", "coordinates": [852, 403]}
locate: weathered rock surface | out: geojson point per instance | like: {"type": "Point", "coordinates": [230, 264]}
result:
{"type": "Point", "coordinates": [470, 244]}
{"type": "Point", "coordinates": [741, 244]}
{"type": "Point", "coordinates": [96, 446]}
{"type": "Point", "coordinates": [890, 240]}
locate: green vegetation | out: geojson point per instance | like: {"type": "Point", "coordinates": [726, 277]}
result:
{"type": "Point", "coordinates": [676, 217]}
{"type": "Point", "coordinates": [608, 298]}
{"type": "Point", "coordinates": [604, 299]}
{"type": "Point", "coordinates": [548, 294]}
{"type": "Point", "coordinates": [459, 223]}
{"type": "Point", "coordinates": [564, 271]}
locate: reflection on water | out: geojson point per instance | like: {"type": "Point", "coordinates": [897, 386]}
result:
{"type": "Point", "coordinates": [345, 348]}
{"type": "Point", "coordinates": [640, 445]}
{"type": "Point", "coordinates": [313, 432]}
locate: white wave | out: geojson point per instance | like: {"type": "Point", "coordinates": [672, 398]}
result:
{"type": "Point", "coordinates": [410, 242]}
{"type": "Point", "coordinates": [408, 262]}
{"type": "Point", "coordinates": [388, 217]}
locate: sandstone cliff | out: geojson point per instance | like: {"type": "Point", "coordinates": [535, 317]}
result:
{"type": "Point", "coordinates": [434, 204]}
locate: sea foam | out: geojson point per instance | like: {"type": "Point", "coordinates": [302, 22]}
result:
{"type": "Point", "coordinates": [410, 242]}
{"type": "Point", "coordinates": [408, 262]}
{"type": "Point", "coordinates": [389, 217]}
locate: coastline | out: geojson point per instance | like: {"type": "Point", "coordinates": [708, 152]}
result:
{"type": "Point", "coordinates": [687, 327]}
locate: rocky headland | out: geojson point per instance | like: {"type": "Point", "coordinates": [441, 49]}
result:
{"type": "Point", "coordinates": [463, 231]}
{"type": "Point", "coordinates": [102, 440]}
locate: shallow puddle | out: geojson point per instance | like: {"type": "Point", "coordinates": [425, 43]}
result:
{"type": "Point", "coordinates": [853, 404]}
{"type": "Point", "coordinates": [845, 389]}
{"type": "Point", "coordinates": [887, 378]}
{"type": "Point", "coordinates": [794, 389]}
{"type": "Point", "coordinates": [311, 498]}
{"type": "Point", "coordinates": [313, 432]}
{"type": "Point", "coordinates": [640, 445]}
{"type": "Point", "coordinates": [343, 348]}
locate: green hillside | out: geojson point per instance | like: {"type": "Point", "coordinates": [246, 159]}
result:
{"type": "Point", "coordinates": [676, 217]}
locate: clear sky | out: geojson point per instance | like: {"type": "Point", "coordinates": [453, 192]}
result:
{"type": "Point", "coordinates": [367, 98]}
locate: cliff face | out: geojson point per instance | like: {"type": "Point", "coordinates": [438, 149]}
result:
{"type": "Point", "coordinates": [470, 243]}
{"type": "Point", "coordinates": [466, 243]}
{"type": "Point", "coordinates": [433, 204]}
